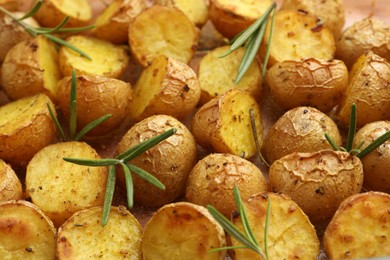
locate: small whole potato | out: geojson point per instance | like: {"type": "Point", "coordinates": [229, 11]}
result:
{"type": "Point", "coordinates": [213, 178]}
{"type": "Point", "coordinates": [10, 185]}
{"type": "Point", "coordinates": [301, 129]}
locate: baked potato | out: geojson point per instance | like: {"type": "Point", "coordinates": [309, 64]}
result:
{"type": "Point", "coordinates": [10, 185]}
{"type": "Point", "coordinates": [10, 5]}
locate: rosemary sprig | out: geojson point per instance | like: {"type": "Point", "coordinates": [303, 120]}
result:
{"type": "Point", "coordinates": [251, 38]}
{"type": "Point", "coordinates": [128, 168]}
{"type": "Point", "coordinates": [48, 32]}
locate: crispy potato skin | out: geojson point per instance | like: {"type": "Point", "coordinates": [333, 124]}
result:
{"type": "Point", "coordinates": [25, 132]}
{"type": "Point", "coordinates": [301, 129]}
{"type": "Point", "coordinates": [290, 236]}
{"type": "Point", "coordinates": [10, 5]}
{"type": "Point", "coordinates": [368, 89]}
{"type": "Point", "coordinates": [184, 226]}
{"type": "Point", "coordinates": [170, 161]}
{"type": "Point", "coordinates": [308, 82]}
{"type": "Point", "coordinates": [375, 164]}
{"type": "Point", "coordinates": [25, 232]}
{"type": "Point", "coordinates": [10, 185]}
{"type": "Point", "coordinates": [83, 237]}
{"type": "Point", "coordinates": [361, 37]}
{"type": "Point", "coordinates": [318, 182]}
{"type": "Point", "coordinates": [344, 239]}
{"type": "Point", "coordinates": [99, 96]}
{"type": "Point", "coordinates": [213, 178]}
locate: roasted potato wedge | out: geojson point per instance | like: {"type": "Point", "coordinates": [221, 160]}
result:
{"type": "Point", "coordinates": [61, 188]}
{"type": "Point", "coordinates": [31, 67]}
{"type": "Point", "coordinates": [290, 234]}
{"type": "Point", "coordinates": [107, 59]}
{"type": "Point", "coordinates": [360, 228]}
{"type": "Point", "coordinates": [217, 75]}
{"type": "Point", "coordinates": [25, 128]}
{"type": "Point", "coordinates": [10, 185]}
{"type": "Point", "coordinates": [150, 35]}
{"type": "Point", "coordinates": [308, 82]}
{"type": "Point", "coordinates": [224, 124]}
{"type": "Point", "coordinates": [167, 86]}
{"type": "Point", "coordinates": [213, 178]}
{"type": "Point", "coordinates": [25, 232]}
{"type": "Point", "coordinates": [10, 5]}
{"type": "Point", "coordinates": [182, 231]}
{"type": "Point", "coordinates": [82, 236]}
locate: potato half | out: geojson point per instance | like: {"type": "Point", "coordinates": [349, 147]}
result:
{"type": "Point", "coordinates": [213, 178]}
{"type": "Point", "coordinates": [61, 188]}
{"type": "Point", "coordinates": [10, 185]}
{"type": "Point", "coordinates": [182, 231]}
{"type": "Point", "coordinates": [31, 67]}
{"type": "Point", "coordinates": [25, 128]}
{"type": "Point", "coordinates": [25, 232]}
{"type": "Point", "coordinates": [83, 237]}
{"type": "Point", "coordinates": [290, 233]}
{"type": "Point", "coordinates": [162, 30]}
{"type": "Point", "coordinates": [167, 86]}
{"type": "Point", "coordinates": [224, 124]}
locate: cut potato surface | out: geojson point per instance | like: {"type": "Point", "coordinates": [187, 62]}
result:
{"type": "Point", "coordinates": [10, 185]}
{"type": "Point", "coordinates": [83, 237]}
{"type": "Point", "coordinates": [360, 228]}
{"type": "Point", "coordinates": [61, 188]}
{"type": "Point", "coordinates": [25, 232]}
{"type": "Point", "coordinates": [182, 231]}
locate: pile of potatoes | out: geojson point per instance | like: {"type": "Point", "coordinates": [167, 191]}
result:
{"type": "Point", "coordinates": [156, 65]}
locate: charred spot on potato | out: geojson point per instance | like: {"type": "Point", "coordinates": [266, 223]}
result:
{"type": "Point", "coordinates": [320, 190]}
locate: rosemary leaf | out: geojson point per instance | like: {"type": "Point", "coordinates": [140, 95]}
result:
{"type": "Point", "coordinates": [226, 248]}
{"type": "Point", "coordinates": [73, 107]}
{"type": "Point", "coordinates": [56, 123]}
{"type": "Point", "coordinates": [129, 185]}
{"type": "Point", "coordinates": [332, 142]}
{"type": "Point", "coordinates": [58, 27]}
{"type": "Point", "coordinates": [267, 216]}
{"type": "Point", "coordinates": [254, 131]}
{"type": "Point", "coordinates": [72, 30]}
{"type": "Point", "coordinates": [66, 44]}
{"type": "Point", "coordinates": [108, 197]}
{"type": "Point", "coordinates": [33, 10]}
{"type": "Point", "coordinates": [371, 147]}
{"type": "Point", "coordinates": [146, 176]}
{"type": "Point", "coordinates": [93, 163]}
{"type": "Point", "coordinates": [268, 49]}
{"type": "Point", "coordinates": [91, 126]}
{"type": "Point", "coordinates": [352, 128]}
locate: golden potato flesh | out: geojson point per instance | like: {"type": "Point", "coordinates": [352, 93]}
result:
{"type": "Point", "coordinates": [217, 75]}
{"type": "Point", "coordinates": [61, 188]}
{"type": "Point", "coordinates": [360, 228]}
{"type": "Point", "coordinates": [361, 37]}
{"type": "Point", "coordinates": [107, 59]}
{"type": "Point", "coordinates": [231, 17]}
{"type": "Point", "coordinates": [375, 164]}
{"type": "Point", "coordinates": [83, 237]}
{"type": "Point", "coordinates": [182, 231]}
{"type": "Point", "coordinates": [10, 185]}
{"type": "Point", "coordinates": [162, 30]}
{"type": "Point", "coordinates": [25, 128]}
{"type": "Point", "coordinates": [301, 129]}
{"type": "Point", "coordinates": [31, 67]}
{"type": "Point", "coordinates": [53, 12]}
{"type": "Point", "coordinates": [99, 96]}
{"type": "Point", "coordinates": [368, 89]}
{"type": "Point", "coordinates": [298, 35]}
{"type": "Point", "coordinates": [318, 182]}
{"type": "Point", "coordinates": [308, 82]}
{"type": "Point", "coordinates": [168, 87]}
{"type": "Point", "coordinates": [170, 161]}
{"type": "Point", "coordinates": [113, 23]}
{"type": "Point", "coordinates": [25, 232]}
{"type": "Point", "coordinates": [290, 234]}
{"type": "Point", "coordinates": [213, 178]}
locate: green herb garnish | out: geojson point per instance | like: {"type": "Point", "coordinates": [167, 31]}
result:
{"type": "Point", "coordinates": [48, 32]}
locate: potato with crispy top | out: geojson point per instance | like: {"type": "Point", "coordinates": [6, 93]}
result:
{"type": "Point", "coordinates": [82, 236]}
{"type": "Point", "coordinates": [182, 231]}
{"type": "Point", "coordinates": [107, 59]}
{"type": "Point", "coordinates": [217, 75]}
{"type": "Point", "coordinates": [224, 124]}
{"type": "Point", "coordinates": [162, 30]}
{"type": "Point", "coordinates": [360, 228]}
{"type": "Point", "coordinates": [60, 188]}
{"type": "Point", "coordinates": [113, 23]}
{"type": "Point", "coordinates": [290, 234]}
{"type": "Point", "coordinates": [25, 232]}
{"type": "Point", "coordinates": [167, 86]}
{"type": "Point", "coordinates": [99, 96]}
{"type": "Point", "coordinates": [25, 128]}
{"type": "Point", "coordinates": [10, 185]}
{"type": "Point", "coordinates": [31, 67]}
{"type": "Point", "coordinates": [301, 129]}
{"type": "Point", "coordinates": [213, 178]}
{"type": "Point", "coordinates": [298, 35]}
{"type": "Point", "coordinates": [308, 82]}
